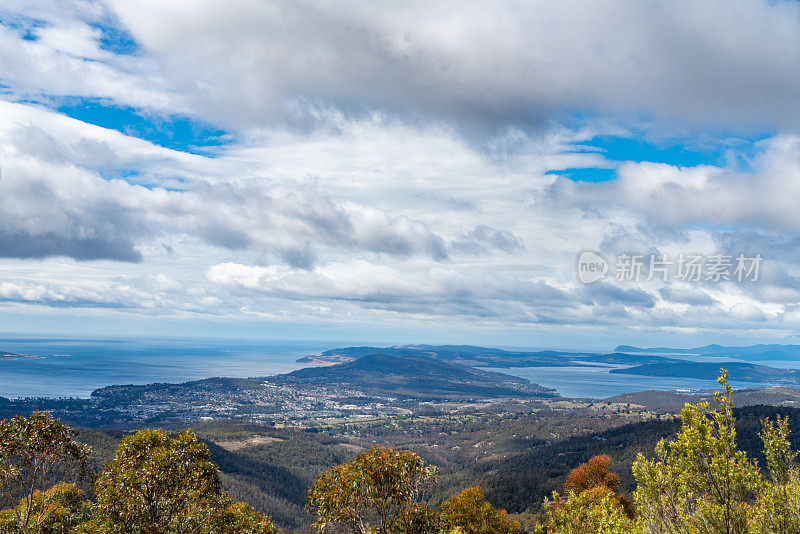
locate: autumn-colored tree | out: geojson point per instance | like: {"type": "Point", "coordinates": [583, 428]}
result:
{"type": "Point", "coordinates": [380, 489]}
{"type": "Point", "coordinates": [699, 482]}
{"type": "Point", "coordinates": [596, 473]}
{"type": "Point", "coordinates": [469, 512]}
{"type": "Point", "coordinates": [591, 502]}
{"type": "Point", "coordinates": [158, 485]}
{"type": "Point", "coordinates": [591, 474]}
{"type": "Point", "coordinates": [30, 449]}
{"type": "Point", "coordinates": [596, 510]}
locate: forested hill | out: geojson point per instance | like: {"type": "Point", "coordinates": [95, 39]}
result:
{"type": "Point", "coordinates": [414, 376]}
{"type": "Point", "coordinates": [751, 352]}
{"type": "Point", "coordinates": [523, 480]}
{"type": "Point", "coordinates": [659, 400]}
{"type": "Point", "coordinates": [483, 356]}
{"type": "Point", "coordinates": [748, 372]}
{"type": "Point", "coordinates": [272, 468]}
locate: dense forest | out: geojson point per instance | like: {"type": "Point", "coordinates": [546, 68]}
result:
{"type": "Point", "coordinates": [721, 469]}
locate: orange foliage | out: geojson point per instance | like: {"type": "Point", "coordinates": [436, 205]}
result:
{"type": "Point", "coordinates": [592, 474]}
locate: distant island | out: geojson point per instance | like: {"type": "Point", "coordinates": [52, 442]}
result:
{"type": "Point", "coordinates": [752, 352]}
{"type": "Point", "coordinates": [739, 371]}
{"type": "Point", "coordinates": [658, 362]}
{"type": "Point", "coordinates": [12, 356]}
{"type": "Point", "coordinates": [473, 356]}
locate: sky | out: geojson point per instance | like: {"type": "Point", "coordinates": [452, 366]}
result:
{"type": "Point", "coordinates": [407, 172]}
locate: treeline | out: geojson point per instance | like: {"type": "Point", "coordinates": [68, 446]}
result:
{"type": "Point", "coordinates": [706, 480]}
{"type": "Point", "coordinates": [699, 482]}
{"type": "Point", "coordinates": [521, 482]}
{"type": "Point", "coordinates": [154, 484]}
{"type": "Point", "coordinates": [157, 484]}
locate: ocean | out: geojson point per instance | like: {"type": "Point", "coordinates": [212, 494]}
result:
{"type": "Point", "coordinates": [76, 367]}
{"type": "Point", "coordinates": [595, 381]}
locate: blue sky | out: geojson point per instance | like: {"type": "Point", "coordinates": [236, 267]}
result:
{"type": "Point", "coordinates": [396, 173]}
{"type": "Point", "coordinates": [177, 132]}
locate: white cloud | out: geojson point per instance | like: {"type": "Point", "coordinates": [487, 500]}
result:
{"type": "Point", "coordinates": [389, 164]}
{"type": "Point", "coordinates": [730, 62]}
{"type": "Point", "coordinates": [759, 197]}
{"type": "Point", "coordinates": [252, 64]}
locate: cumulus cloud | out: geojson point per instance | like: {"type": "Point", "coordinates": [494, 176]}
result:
{"type": "Point", "coordinates": [483, 238]}
{"type": "Point", "coordinates": [50, 205]}
{"type": "Point", "coordinates": [251, 63]}
{"type": "Point", "coordinates": [354, 187]}
{"type": "Point", "coordinates": [673, 197]}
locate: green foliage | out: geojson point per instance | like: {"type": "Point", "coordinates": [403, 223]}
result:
{"type": "Point", "coordinates": [700, 482]}
{"type": "Point", "coordinates": [594, 511]}
{"type": "Point", "coordinates": [239, 518]}
{"type": "Point", "coordinates": [59, 510]}
{"type": "Point", "coordinates": [381, 487]}
{"type": "Point", "coordinates": [30, 448]}
{"type": "Point", "coordinates": [592, 504]}
{"type": "Point", "coordinates": [469, 512]}
{"type": "Point", "coordinates": [159, 485]}
{"type": "Point", "coordinates": [777, 509]}
{"type": "Point", "coordinates": [156, 483]}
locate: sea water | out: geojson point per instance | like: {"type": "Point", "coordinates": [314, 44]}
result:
{"type": "Point", "coordinates": [596, 382]}
{"type": "Point", "coordinates": [76, 367]}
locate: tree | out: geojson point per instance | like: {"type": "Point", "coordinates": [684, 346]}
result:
{"type": "Point", "coordinates": [159, 485]}
{"type": "Point", "coordinates": [239, 518]}
{"type": "Point", "coordinates": [469, 512]}
{"type": "Point", "coordinates": [30, 448]}
{"type": "Point", "coordinates": [61, 509]}
{"type": "Point", "coordinates": [593, 511]}
{"type": "Point", "coordinates": [592, 502]}
{"type": "Point", "coordinates": [698, 482]}
{"type": "Point", "coordinates": [777, 509]}
{"type": "Point", "coordinates": [591, 474]}
{"type": "Point", "coordinates": [379, 485]}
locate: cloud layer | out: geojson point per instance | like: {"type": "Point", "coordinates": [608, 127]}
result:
{"type": "Point", "coordinates": [397, 165]}
{"type": "Point", "coordinates": [246, 64]}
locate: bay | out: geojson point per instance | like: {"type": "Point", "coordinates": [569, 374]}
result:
{"type": "Point", "coordinates": [76, 367]}
{"type": "Point", "coordinates": [595, 381]}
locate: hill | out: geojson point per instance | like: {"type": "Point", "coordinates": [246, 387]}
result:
{"type": "Point", "coordinates": [522, 481]}
{"type": "Point", "coordinates": [758, 352]}
{"type": "Point", "coordinates": [482, 356]}
{"type": "Point", "coordinates": [374, 386]}
{"type": "Point", "coordinates": [660, 400]}
{"type": "Point", "coordinates": [745, 372]}
{"type": "Point", "coordinates": [414, 376]}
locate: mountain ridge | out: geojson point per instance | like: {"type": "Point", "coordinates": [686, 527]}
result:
{"type": "Point", "coordinates": [759, 351]}
{"type": "Point", "coordinates": [414, 376]}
